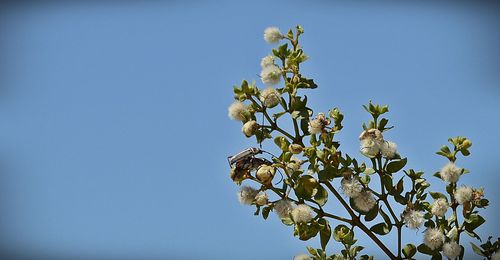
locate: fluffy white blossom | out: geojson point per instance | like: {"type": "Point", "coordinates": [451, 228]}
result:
{"type": "Point", "coordinates": [413, 218]}
{"type": "Point", "coordinates": [249, 128]}
{"type": "Point", "coordinates": [388, 149]}
{"type": "Point", "coordinates": [365, 201]}
{"type": "Point", "coordinates": [283, 208]}
{"type": "Point", "coordinates": [302, 257]}
{"type": "Point", "coordinates": [433, 238]}
{"type": "Point", "coordinates": [271, 75]}
{"type": "Point", "coordinates": [265, 173]}
{"type": "Point", "coordinates": [247, 194]}
{"type": "Point", "coordinates": [270, 97]}
{"type": "Point", "coordinates": [261, 199]}
{"type": "Point", "coordinates": [451, 249]}
{"type": "Point", "coordinates": [439, 207]}
{"type": "Point", "coordinates": [371, 142]}
{"type": "Point", "coordinates": [266, 61]}
{"type": "Point", "coordinates": [369, 148]}
{"type": "Point", "coordinates": [371, 134]}
{"type": "Point", "coordinates": [272, 35]}
{"type": "Point", "coordinates": [450, 172]}
{"type": "Point", "coordinates": [302, 213]}
{"type": "Point", "coordinates": [237, 110]}
{"type": "Point", "coordinates": [317, 125]}
{"type": "Point", "coordinates": [351, 187]}
{"type": "Point", "coordinates": [463, 194]}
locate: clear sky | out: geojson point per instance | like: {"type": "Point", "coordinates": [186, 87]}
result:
{"type": "Point", "coordinates": [115, 132]}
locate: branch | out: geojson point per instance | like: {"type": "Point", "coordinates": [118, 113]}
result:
{"type": "Point", "coordinates": [357, 222]}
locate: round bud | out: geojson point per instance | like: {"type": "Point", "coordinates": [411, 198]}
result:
{"type": "Point", "coordinates": [295, 148]}
{"type": "Point", "coordinates": [249, 128]}
{"type": "Point", "coordinates": [261, 199]}
{"type": "Point", "coordinates": [265, 173]}
{"type": "Point", "coordinates": [466, 144]}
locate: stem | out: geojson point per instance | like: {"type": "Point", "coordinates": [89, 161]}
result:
{"type": "Point", "coordinates": [357, 222]}
{"type": "Point", "coordinates": [399, 240]}
{"type": "Point", "coordinates": [273, 124]}
{"type": "Point", "coordinates": [318, 211]}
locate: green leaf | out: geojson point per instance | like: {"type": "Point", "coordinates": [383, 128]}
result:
{"type": "Point", "coordinates": [381, 229]}
{"type": "Point", "coordinates": [436, 256]}
{"type": "Point", "coordinates": [372, 214]}
{"type": "Point", "coordinates": [321, 196]}
{"type": "Point", "coordinates": [282, 143]}
{"type": "Point", "coordinates": [265, 212]}
{"type": "Point", "coordinates": [437, 174]}
{"type": "Point", "coordinates": [422, 248]}
{"type": "Point", "coordinates": [395, 166]}
{"type": "Point", "coordinates": [477, 249]}
{"type": "Point", "coordinates": [437, 195]}
{"type": "Point", "coordinates": [324, 234]}
{"type": "Point", "coordinates": [386, 218]}
{"type": "Point", "coordinates": [387, 181]}
{"type": "Point", "coordinates": [343, 234]}
{"type": "Point", "coordinates": [400, 199]}
{"type": "Point", "coordinates": [306, 187]}
{"type": "Point", "coordinates": [328, 173]}
{"type": "Point", "coordinates": [409, 250]}
{"type": "Point", "coordinates": [473, 221]}
{"type": "Point", "coordinates": [369, 171]}
{"type": "Point", "coordinates": [312, 251]}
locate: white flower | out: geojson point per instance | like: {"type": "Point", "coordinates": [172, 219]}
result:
{"type": "Point", "coordinates": [237, 111]}
{"type": "Point", "coordinates": [439, 207]}
{"type": "Point", "coordinates": [413, 219]}
{"type": "Point", "coordinates": [371, 141]}
{"type": "Point", "coordinates": [370, 147]}
{"type": "Point", "coordinates": [261, 199]}
{"type": "Point", "coordinates": [247, 194]}
{"type": "Point", "coordinates": [271, 75]}
{"type": "Point", "coordinates": [388, 149]}
{"type": "Point", "coordinates": [351, 187]}
{"type": "Point", "coordinates": [270, 97]}
{"type": "Point", "coordinates": [272, 35]}
{"type": "Point", "coordinates": [283, 208]}
{"type": "Point", "coordinates": [371, 134]}
{"type": "Point", "coordinates": [249, 128]}
{"type": "Point", "coordinates": [433, 238]}
{"type": "Point", "coordinates": [365, 201]}
{"type": "Point", "coordinates": [302, 213]}
{"type": "Point", "coordinates": [266, 61]}
{"type": "Point", "coordinates": [317, 125]}
{"type": "Point", "coordinates": [451, 249]}
{"type": "Point", "coordinates": [463, 194]}
{"type": "Point", "coordinates": [265, 173]}
{"type": "Point", "coordinates": [302, 257]}
{"type": "Point", "coordinates": [450, 172]}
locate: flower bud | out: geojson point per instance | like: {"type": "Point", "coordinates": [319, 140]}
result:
{"type": "Point", "coordinates": [295, 148]}
{"type": "Point", "coordinates": [466, 144]}
{"type": "Point", "coordinates": [249, 128]}
{"type": "Point", "coordinates": [265, 173]}
{"type": "Point", "coordinates": [261, 199]}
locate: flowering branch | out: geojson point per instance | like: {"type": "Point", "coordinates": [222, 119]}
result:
{"type": "Point", "coordinates": [310, 171]}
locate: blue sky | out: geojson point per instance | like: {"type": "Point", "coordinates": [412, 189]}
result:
{"type": "Point", "coordinates": [114, 116]}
